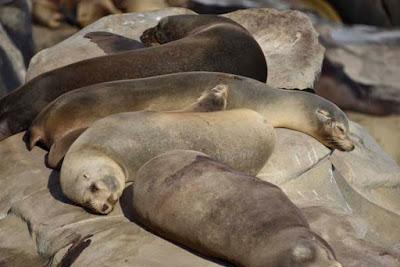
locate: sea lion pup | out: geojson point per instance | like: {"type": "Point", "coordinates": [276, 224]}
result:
{"type": "Point", "coordinates": [110, 152]}
{"type": "Point", "coordinates": [188, 43]}
{"type": "Point", "coordinates": [301, 111]}
{"type": "Point", "coordinates": [193, 200]}
{"type": "Point", "coordinates": [210, 100]}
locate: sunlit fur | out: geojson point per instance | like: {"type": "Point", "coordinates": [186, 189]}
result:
{"type": "Point", "coordinates": [97, 184]}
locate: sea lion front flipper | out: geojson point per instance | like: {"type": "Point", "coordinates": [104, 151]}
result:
{"type": "Point", "coordinates": [113, 43]}
{"type": "Point", "coordinates": [59, 148]}
{"type": "Point", "coordinates": [214, 99]}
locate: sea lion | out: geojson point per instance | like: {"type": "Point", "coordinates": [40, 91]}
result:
{"type": "Point", "coordinates": [210, 100]}
{"type": "Point", "coordinates": [291, 109]}
{"type": "Point", "coordinates": [191, 199]}
{"type": "Point", "coordinates": [187, 43]}
{"type": "Point", "coordinates": [110, 152]}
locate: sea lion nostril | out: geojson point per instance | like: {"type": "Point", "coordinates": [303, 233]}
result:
{"type": "Point", "coordinates": [105, 208]}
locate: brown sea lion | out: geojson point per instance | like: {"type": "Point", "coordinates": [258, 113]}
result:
{"type": "Point", "coordinates": [189, 198]}
{"type": "Point", "coordinates": [210, 100]}
{"type": "Point", "coordinates": [110, 152]}
{"type": "Point", "coordinates": [295, 110]}
{"type": "Point", "coordinates": [187, 43]}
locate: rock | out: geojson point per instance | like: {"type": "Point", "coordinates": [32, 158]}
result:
{"type": "Point", "coordinates": [45, 37]}
{"type": "Point", "coordinates": [12, 68]}
{"type": "Point", "coordinates": [79, 48]}
{"type": "Point", "coordinates": [363, 182]}
{"type": "Point", "coordinates": [385, 131]}
{"type": "Point", "coordinates": [289, 42]}
{"type": "Point", "coordinates": [360, 71]}
{"type": "Point", "coordinates": [305, 153]}
{"type": "Point", "coordinates": [15, 16]}
{"type": "Point", "coordinates": [344, 233]}
{"type": "Point", "coordinates": [383, 13]}
{"type": "Point", "coordinates": [16, 245]}
{"type": "Point", "coordinates": [369, 180]}
{"type": "Point", "coordinates": [287, 38]}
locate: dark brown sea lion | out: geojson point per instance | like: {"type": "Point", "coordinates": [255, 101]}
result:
{"type": "Point", "coordinates": [189, 198]}
{"type": "Point", "coordinates": [187, 43]}
{"type": "Point", "coordinates": [111, 151]}
{"type": "Point", "coordinates": [296, 110]}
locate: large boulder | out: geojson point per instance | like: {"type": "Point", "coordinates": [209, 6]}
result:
{"type": "Point", "coordinates": [288, 39]}
{"type": "Point", "coordinates": [360, 70]}
{"type": "Point", "coordinates": [363, 182]}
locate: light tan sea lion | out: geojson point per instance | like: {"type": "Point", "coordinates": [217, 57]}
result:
{"type": "Point", "coordinates": [210, 100]}
{"type": "Point", "coordinates": [295, 110]}
{"type": "Point", "coordinates": [193, 200]}
{"type": "Point", "coordinates": [110, 152]}
{"type": "Point", "coordinates": [185, 43]}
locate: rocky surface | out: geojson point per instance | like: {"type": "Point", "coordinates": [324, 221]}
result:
{"type": "Point", "coordinates": [359, 189]}
{"type": "Point", "coordinates": [289, 42]}
{"type": "Point", "coordinates": [15, 16]}
{"type": "Point", "coordinates": [79, 48]}
{"type": "Point", "coordinates": [44, 37]}
{"type": "Point", "coordinates": [362, 182]}
{"type": "Point", "coordinates": [360, 71]}
{"type": "Point", "coordinates": [12, 68]}
{"type": "Point", "coordinates": [385, 131]}
{"type": "Point", "coordinates": [287, 38]}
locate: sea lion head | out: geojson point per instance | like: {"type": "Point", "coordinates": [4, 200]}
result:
{"type": "Point", "coordinates": [95, 182]}
{"type": "Point", "coordinates": [176, 27]}
{"type": "Point", "coordinates": [333, 128]}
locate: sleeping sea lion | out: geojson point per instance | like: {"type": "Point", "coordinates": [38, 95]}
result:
{"type": "Point", "coordinates": [296, 110]}
{"type": "Point", "coordinates": [109, 153]}
{"type": "Point", "coordinates": [210, 100]}
{"type": "Point", "coordinates": [193, 200]}
{"type": "Point", "coordinates": [186, 43]}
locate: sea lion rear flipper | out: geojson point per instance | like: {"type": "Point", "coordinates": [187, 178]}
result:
{"type": "Point", "coordinates": [113, 43]}
{"type": "Point", "coordinates": [60, 148]}
{"type": "Point", "coordinates": [214, 99]}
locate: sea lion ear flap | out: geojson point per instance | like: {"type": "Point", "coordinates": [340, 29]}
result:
{"type": "Point", "coordinates": [60, 148]}
{"type": "Point", "coordinates": [302, 252]}
{"type": "Point", "coordinates": [323, 115]}
{"type": "Point", "coordinates": [112, 43]}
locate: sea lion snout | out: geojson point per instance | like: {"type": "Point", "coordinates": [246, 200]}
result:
{"type": "Point", "coordinates": [103, 195]}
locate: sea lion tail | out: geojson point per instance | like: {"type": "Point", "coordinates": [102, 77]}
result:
{"type": "Point", "coordinates": [34, 136]}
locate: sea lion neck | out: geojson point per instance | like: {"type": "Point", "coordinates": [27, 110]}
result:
{"type": "Point", "coordinates": [289, 109]}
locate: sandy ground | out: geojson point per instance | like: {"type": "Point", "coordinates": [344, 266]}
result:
{"type": "Point", "coordinates": [385, 130]}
